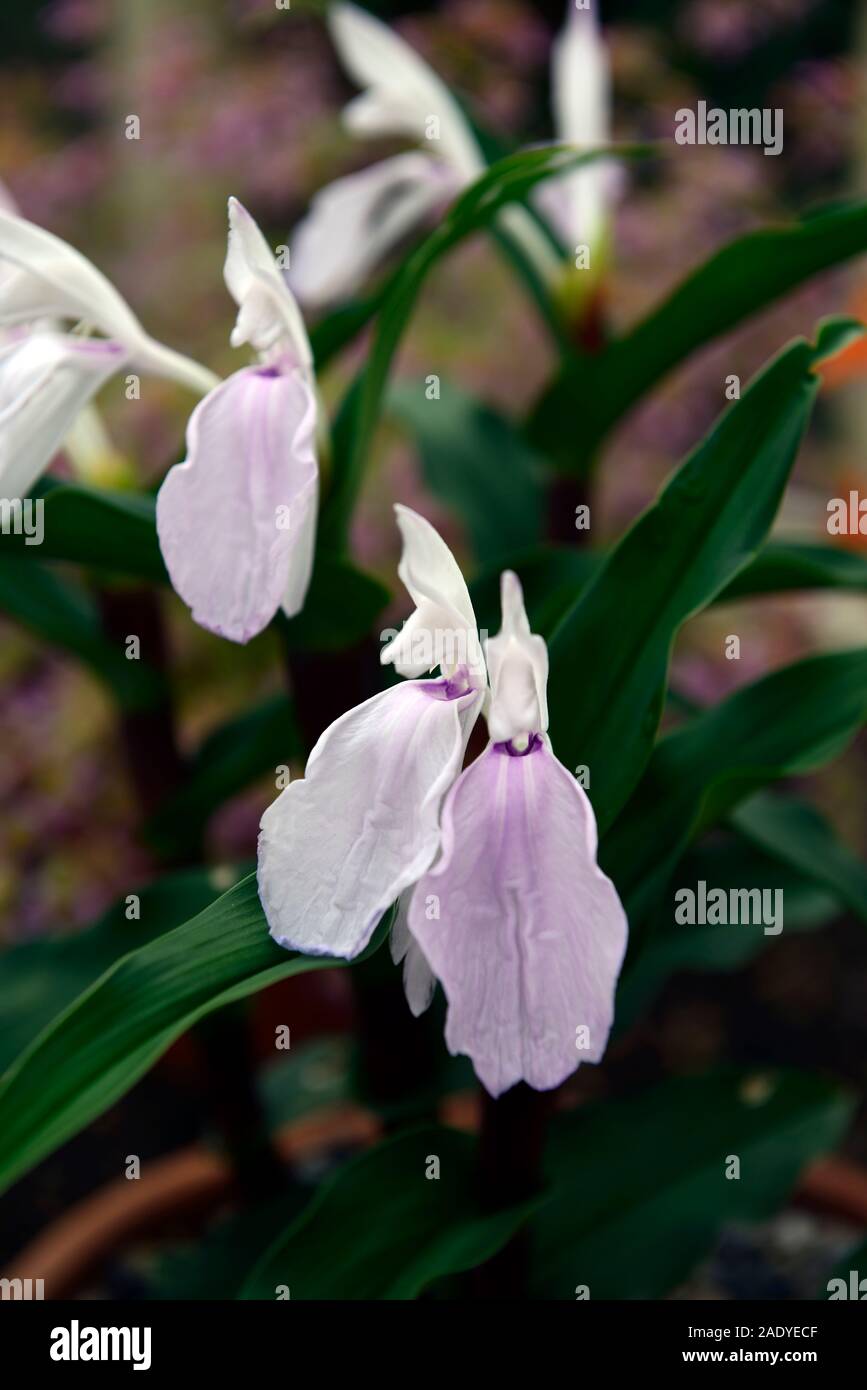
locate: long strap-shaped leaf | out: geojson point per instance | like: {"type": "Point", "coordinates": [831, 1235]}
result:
{"type": "Point", "coordinates": [609, 655]}
{"type": "Point", "coordinates": [94, 1051]}
{"type": "Point", "coordinates": [792, 721]}
{"type": "Point", "coordinates": [743, 277]}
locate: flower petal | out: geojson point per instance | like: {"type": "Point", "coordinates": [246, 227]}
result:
{"type": "Point", "coordinates": [442, 632]}
{"type": "Point", "coordinates": [56, 281]}
{"type": "Point", "coordinates": [45, 380]}
{"type": "Point", "coordinates": [356, 220]}
{"type": "Point", "coordinates": [518, 669]}
{"type": "Point", "coordinates": [235, 516]}
{"type": "Point", "coordinates": [419, 981]}
{"type": "Point", "coordinates": [268, 312]}
{"type": "Point", "coordinates": [404, 92]}
{"type": "Point", "coordinates": [338, 847]}
{"type": "Point", "coordinates": [581, 96]}
{"type": "Point", "coordinates": [531, 934]}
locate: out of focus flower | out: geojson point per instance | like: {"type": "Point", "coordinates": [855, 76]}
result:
{"type": "Point", "coordinates": [514, 916]}
{"type": "Point", "coordinates": [237, 519]}
{"type": "Point", "coordinates": [356, 220]}
{"type": "Point", "coordinates": [48, 375]}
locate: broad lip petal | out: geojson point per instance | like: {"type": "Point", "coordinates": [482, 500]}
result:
{"type": "Point", "coordinates": [356, 220]}
{"type": "Point", "coordinates": [250, 453]}
{"type": "Point", "coordinates": [432, 577]}
{"type": "Point", "coordinates": [517, 663]}
{"type": "Point", "coordinates": [46, 379]}
{"type": "Point", "coordinates": [531, 934]}
{"type": "Point", "coordinates": [403, 90]}
{"type": "Point", "coordinates": [56, 282]}
{"type": "Point", "coordinates": [268, 312]}
{"type": "Point", "coordinates": [337, 848]}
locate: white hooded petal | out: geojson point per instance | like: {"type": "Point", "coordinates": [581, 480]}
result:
{"type": "Point", "coordinates": [581, 96]}
{"type": "Point", "coordinates": [518, 668]}
{"type": "Point", "coordinates": [268, 315]}
{"type": "Point", "coordinates": [45, 380]}
{"type": "Point", "coordinates": [402, 92]}
{"type": "Point", "coordinates": [356, 220]}
{"type": "Point", "coordinates": [442, 631]}
{"type": "Point", "coordinates": [338, 847]}
{"type": "Point", "coordinates": [57, 282]}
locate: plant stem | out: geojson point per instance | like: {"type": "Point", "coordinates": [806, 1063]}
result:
{"type": "Point", "coordinates": [511, 1148]}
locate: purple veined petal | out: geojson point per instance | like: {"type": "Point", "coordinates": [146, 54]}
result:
{"type": "Point", "coordinates": [45, 380]}
{"type": "Point", "coordinates": [234, 519]}
{"type": "Point", "coordinates": [419, 981]}
{"type": "Point", "coordinates": [337, 848]}
{"type": "Point", "coordinates": [519, 924]}
{"type": "Point", "coordinates": [356, 220]}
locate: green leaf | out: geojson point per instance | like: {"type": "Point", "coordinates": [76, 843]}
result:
{"type": "Point", "coordinates": [39, 978]}
{"type": "Point", "coordinates": [109, 1037]}
{"type": "Point", "coordinates": [232, 757]}
{"type": "Point", "coordinates": [423, 1229]}
{"type": "Point", "coordinates": [779, 567]}
{"type": "Point", "coordinates": [61, 613]}
{"type": "Point", "coordinates": [738, 281]}
{"type": "Point", "coordinates": [797, 835]}
{"type": "Point", "coordinates": [706, 526]}
{"type": "Point", "coordinates": [475, 461]}
{"type": "Point", "coordinates": [790, 722]}
{"type": "Point", "coordinates": [109, 531]}
{"type": "Point", "coordinates": [668, 946]}
{"type": "Point", "coordinates": [508, 180]}
{"type": "Point", "coordinates": [340, 609]}
{"type": "Point", "coordinates": [640, 1186]}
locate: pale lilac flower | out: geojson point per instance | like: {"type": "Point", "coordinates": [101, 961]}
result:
{"type": "Point", "coordinates": [48, 375]}
{"type": "Point", "coordinates": [501, 898]}
{"type": "Point", "coordinates": [237, 519]}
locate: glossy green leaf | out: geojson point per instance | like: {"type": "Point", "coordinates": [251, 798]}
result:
{"type": "Point", "coordinates": [230, 759]}
{"type": "Point", "coordinates": [640, 1185]}
{"type": "Point", "coordinates": [109, 1036]}
{"type": "Point", "coordinates": [475, 461]}
{"type": "Point", "coordinates": [708, 523]}
{"type": "Point", "coordinates": [780, 567]}
{"type": "Point", "coordinates": [60, 612]}
{"type": "Point", "coordinates": [735, 283]}
{"type": "Point", "coordinates": [422, 1230]}
{"type": "Point", "coordinates": [792, 721]}
{"type": "Point", "coordinates": [798, 835]}
{"type": "Point", "coordinates": [38, 979]}
{"type": "Point", "coordinates": [104, 530]}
